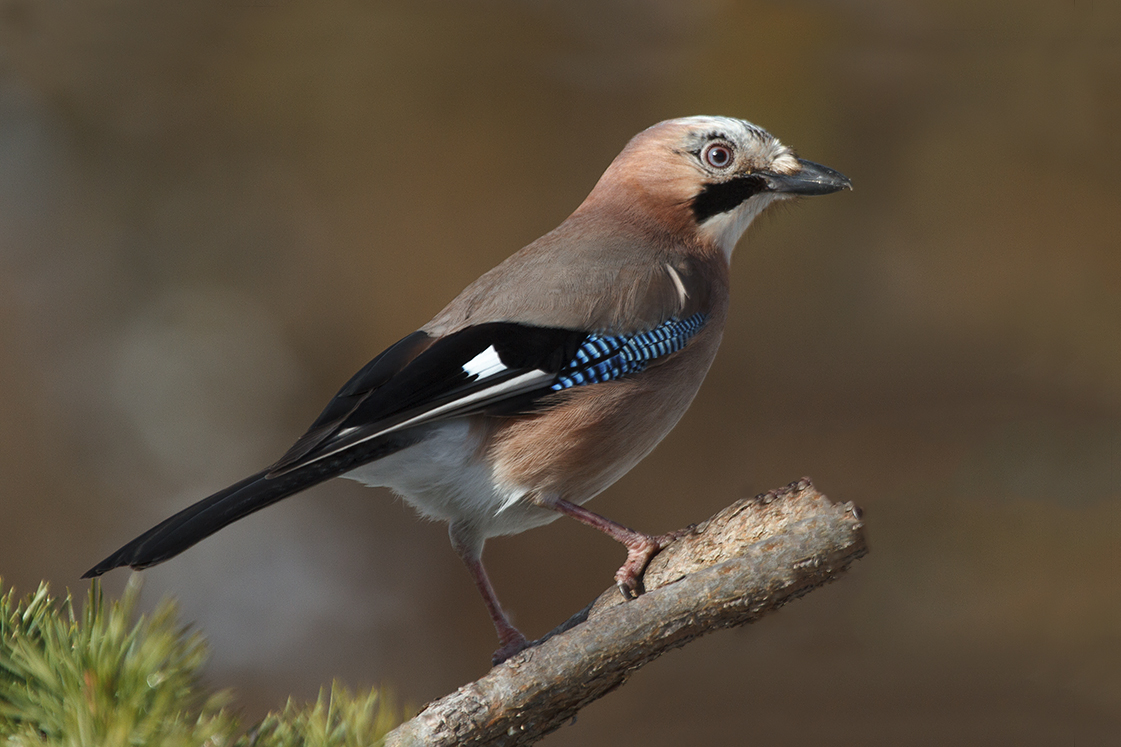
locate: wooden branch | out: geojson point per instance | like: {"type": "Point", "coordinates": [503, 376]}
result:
{"type": "Point", "coordinates": [747, 560]}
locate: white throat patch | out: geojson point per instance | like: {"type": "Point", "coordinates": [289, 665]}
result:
{"type": "Point", "coordinates": [725, 229]}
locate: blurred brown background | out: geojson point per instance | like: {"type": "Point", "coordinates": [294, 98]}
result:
{"type": "Point", "coordinates": [210, 216]}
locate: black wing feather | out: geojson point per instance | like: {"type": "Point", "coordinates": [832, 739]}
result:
{"type": "Point", "coordinates": [437, 375]}
{"type": "Point", "coordinates": [435, 379]}
{"type": "Point", "coordinates": [369, 378]}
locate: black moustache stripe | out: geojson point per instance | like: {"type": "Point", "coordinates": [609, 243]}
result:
{"type": "Point", "coordinates": [724, 196]}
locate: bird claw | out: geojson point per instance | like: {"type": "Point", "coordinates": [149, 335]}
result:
{"type": "Point", "coordinates": [629, 576]}
{"type": "Point", "coordinates": [629, 590]}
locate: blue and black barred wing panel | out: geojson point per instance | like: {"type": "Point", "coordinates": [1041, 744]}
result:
{"type": "Point", "coordinates": [606, 357]}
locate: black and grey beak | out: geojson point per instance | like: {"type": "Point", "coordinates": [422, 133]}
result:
{"type": "Point", "coordinates": [813, 179]}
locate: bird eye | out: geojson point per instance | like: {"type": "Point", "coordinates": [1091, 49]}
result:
{"type": "Point", "coordinates": [718, 155]}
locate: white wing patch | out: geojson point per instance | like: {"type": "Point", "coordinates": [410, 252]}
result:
{"type": "Point", "coordinates": [486, 363]}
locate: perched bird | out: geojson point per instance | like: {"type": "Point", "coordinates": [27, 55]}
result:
{"type": "Point", "coordinates": [553, 374]}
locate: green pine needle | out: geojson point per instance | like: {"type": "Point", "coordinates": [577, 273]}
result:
{"type": "Point", "coordinates": [340, 719]}
{"type": "Point", "coordinates": [111, 678]}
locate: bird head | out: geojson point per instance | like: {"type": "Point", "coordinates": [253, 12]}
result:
{"type": "Point", "coordinates": [706, 178]}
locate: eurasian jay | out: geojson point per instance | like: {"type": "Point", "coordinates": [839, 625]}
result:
{"type": "Point", "coordinates": [553, 374]}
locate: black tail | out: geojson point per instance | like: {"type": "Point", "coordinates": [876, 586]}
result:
{"type": "Point", "coordinates": [195, 523]}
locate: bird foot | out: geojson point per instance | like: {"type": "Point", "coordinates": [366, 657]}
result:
{"type": "Point", "coordinates": [639, 553]}
{"type": "Point", "coordinates": [512, 642]}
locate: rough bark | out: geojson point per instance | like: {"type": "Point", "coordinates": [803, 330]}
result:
{"type": "Point", "coordinates": [747, 560]}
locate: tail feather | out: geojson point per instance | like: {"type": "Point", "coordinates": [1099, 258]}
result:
{"type": "Point", "coordinates": [197, 522]}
